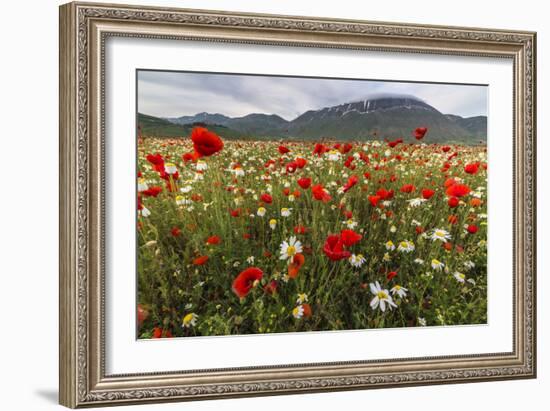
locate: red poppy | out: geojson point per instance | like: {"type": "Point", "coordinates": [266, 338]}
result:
{"type": "Point", "coordinates": [419, 230]}
{"type": "Point", "coordinates": [213, 240]}
{"type": "Point", "coordinates": [319, 193]}
{"type": "Point", "coordinates": [427, 193]}
{"type": "Point", "coordinates": [304, 182]}
{"type": "Point", "coordinates": [394, 143]}
{"type": "Point", "coordinates": [300, 162]}
{"type": "Point", "coordinates": [346, 148]}
{"type": "Point", "coordinates": [283, 150]}
{"type": "Point", "coordinates": [391, 275]}
{"type": "Point", "coordinates": [175, 231]}
{"type": "Point", "coordinates": [471, 168]}
{"type": "Point", "coordinates": [291, 167]}
{"type": "Point", "coordinates": [157, 161]}
{"type": "Point", "coordinates": [458, 190]}
{"type": "Point", "coordinates": [307, 310]}
{"type": "Point", "coordinates": [445, 148]}
{"type": "Point", "coordinates": [300, 229]}
{"type": "Point", "coordinates": [420, 132]}
{"type": "Point", "coordinates": [235, 213]}
{"type": "Point", "coordinates": [152, 191]}
{"type": "Point", "coordinates": [271, 287]}
{"type": "Point", "coordinates": [188, 157]}
{"type": "Point", "coordinates": [266, 198]}
{"type": "Point", "coordinates": [351, 182]}
{"type": "Point", "coordinates": [453, 219]}
{"type": "Point", "coordinates": [244, 282]}
{"type": "Point", "coordinates": [320, 149]}
{"type": "Point", "coordinates": [205, 142]}
{"type": "Point", "coordinates": [408, 188]}
{"type": "Point", "coordinates": [349, 237]}
{"type": "Point", "coordinates": [294, 267]}
{"type": "Point", "coordinates": [453, 202]}
{"type": "Point", "coordinates": [202, 260]}
{"type": "Point", "coordinates": [159, 333]}
{"type": "Point", "coordinates": [348, 163]}
{"type": "Point", "coordinates": [449, 182]}
{"type": "Point", "coordinates": [472, 229]}
{"type": "Point", "coordinates": [374, 200]}
{"type": "Point", "coordinates": [385, 194]}
{"type": "Point", "coordinates": [334, 248]}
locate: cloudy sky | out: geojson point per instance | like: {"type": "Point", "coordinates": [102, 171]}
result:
{"type": "Point", "coordinates": [174, 94]}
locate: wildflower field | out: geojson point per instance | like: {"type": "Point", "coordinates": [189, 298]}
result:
{"type": "Point", "coordinates": [242, 237]}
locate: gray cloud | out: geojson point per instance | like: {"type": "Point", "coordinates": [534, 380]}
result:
{"type": "Point", "coordinates": [173, 94]}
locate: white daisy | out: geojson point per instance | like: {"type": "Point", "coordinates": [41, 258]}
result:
{"type": "Point", "coordinates": [144, 212]}
{"type": "Point", "coordinates": [357, 260]}
{"type": "Point", "coordinates": [238, 171]}
{"type": "Point", "coordinates": [440, 234]}
{"type": "Point", "coordinates": [285, 212]}
{"type": "Point", "coordinates": [381, 297]}
{"type": "Point", "coordinates": [201, 165]}
{"type": "Point", "coordinates": [272, 223]}
{"type": "Point", "coordinates": [406, 246]}
{"type": "Point", "coordinates": [400, 291]}
{"type": "Point", "coordinates": [461, 278]}
{"type": "Point", "coordinates": [186, 189]}
{"type": "Point", "coordinates": [419, 261]}
{"type": "Point", "coordinates": [437, 265]}
{"type": "Point", "coordinates": [334, 155]}
{"type": "Point", "coordinates": [415, 202]}
{"type": "Point", "coordinates": [351, 224]}
{"type": "Point", "coordinates": [190, 320]}
{"type": "Point", "coordinates": [298, 312]}
{"type": "Point", "coordinates": [302, 298]}
{"type": "Point", "coordinates": [422, 321]}
{"type": "Point", "coordinates": [142, 185]}
{"type": "Point", "coordinates": [390, 246]}
{"type": "Point", "coordinates": [170, 168]}
{"type": "Point", "coordinates": [261, 211]}
{"type": "Point", "coordinates": [468, 265]}
{"type": "Point", "coordinates": [290, 248]}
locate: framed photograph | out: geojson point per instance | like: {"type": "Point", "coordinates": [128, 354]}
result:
{"type": "Point", "coordinates": [259, 204]}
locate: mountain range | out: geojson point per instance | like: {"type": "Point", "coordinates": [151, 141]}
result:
{"type": "Point", "coordinates": [384, 116]}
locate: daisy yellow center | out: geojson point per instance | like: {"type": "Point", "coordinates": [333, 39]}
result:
{"type": "Point", "coordinates": [284, 210]}
{"type": "Point", "coordinates": [291, 250]}
{"type": "Point", "coordinates": [439, 234]}
{"type": "Point", "coordinates": [382, 295]}
{"type": "Point", "coordinates": [170, 165]}
{"type": "Point", "coordinates": [435, 262]}
{"type": "Point", "coordinates": [404, 244]}
{"type": "Point", "coordinates": [397, 287]}
{"type": "Point", "coordinates": [188, 318]}
{"type": "Point", "coordinates": [462, 276]}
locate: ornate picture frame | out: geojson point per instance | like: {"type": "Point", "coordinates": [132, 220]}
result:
{"type": "Point", "coordinates": [84, 29]}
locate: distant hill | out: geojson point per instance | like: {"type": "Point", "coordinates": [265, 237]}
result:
{"type": "Point", "coordinates": [383, 116]}
{"type": "Point", "coordinates": [477, 125]}
{"type": "Point", "coordinates": [254, 124]}
{"type": "Point", "coordinates": [158, 127]}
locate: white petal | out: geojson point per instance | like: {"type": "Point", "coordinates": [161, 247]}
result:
{"type": "Point", "coordinates": [373, 289]}
{"type": "Point", "coordinates": [374, 302]}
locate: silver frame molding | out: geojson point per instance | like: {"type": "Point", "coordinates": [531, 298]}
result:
{"type": "Point", "coordinates": [84, 28]}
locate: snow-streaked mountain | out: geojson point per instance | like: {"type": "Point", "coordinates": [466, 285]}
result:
{"type": "Point", "coordinates": [376, 116]}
